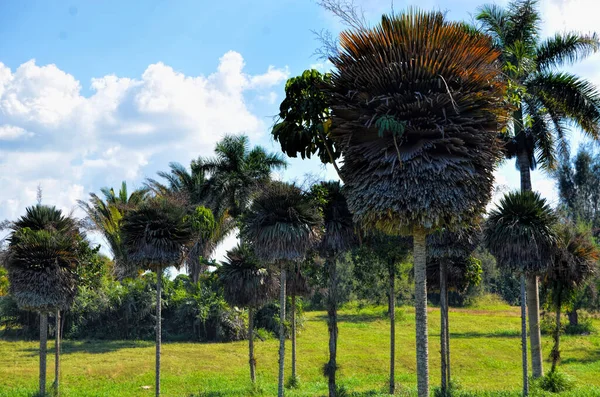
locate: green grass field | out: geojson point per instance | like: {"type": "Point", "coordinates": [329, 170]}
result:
{"type": "Point", "coordinates": [485, 358]}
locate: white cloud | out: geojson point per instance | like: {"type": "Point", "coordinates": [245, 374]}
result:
{"type": "Point", "coordinates": [125, 130]}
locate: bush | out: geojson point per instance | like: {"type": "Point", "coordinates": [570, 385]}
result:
{"type": "Point", "coordinates": [556, 382]}
{"type": "Point", "coordinates": [584, 325]}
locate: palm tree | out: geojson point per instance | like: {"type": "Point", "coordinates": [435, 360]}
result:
{"type": "Point", "coordinates": [281, 224]}
{"type": "Point", "coordinates": [247, 284]}
{"type": "Point", "coordinates": [338, 238]}
{"type": "Point", "coordinates": [391, 251]}
{"type": "Point", "coordinates": [106, 215]}
{"type": "Point", "coordinates": [295, 285]}
{"type": "Point", "coordinates": [155, 235]}
{"type": "Point", "coordinates": [546, 102]}
{"type": "Point", "coordinates": [193, 186]}
{"type": "Point", "coordinates": [236, 172]}
{"type": "Point", "coordinates": [41, 261]}
{"type": "Point", "coordinates": [575, 259]}
{"type": "Point", "coordinates": [519, 234]}
{"type": "Point", "coordinates": [449, 262]}
{"type": "Point", "coordinates": [415, 105]}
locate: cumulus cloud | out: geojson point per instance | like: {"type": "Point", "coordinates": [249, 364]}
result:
{"type": "Point", "coordinates": [70, 144]}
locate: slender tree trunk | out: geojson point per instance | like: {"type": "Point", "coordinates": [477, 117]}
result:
{"type": "Point", "coordinates": [443, 328]}
{"type": "Point", "coordinates": [57, 355]}
{"type": "Point", "coordinates": [158, 327]}
{"type": "Point", "coordinates": [524, 336]}
{"type": "Point", "coordinates": [420, 264]}
{"type": "Point", "coordinates": [280, 389]}
{"type": "Point", "coordinates": [332, 326]}
{"type": "Point", "coordinates": [252, 360]}
{"type": "Point", "coordinates": [448, 378]}
{"type": "Point", "coordinates": [556, 348]}
{"type": "Point", "coordinates": [533, 304]}
{"type": "Point", "coordinates": [573, 318]}
{"type": "Point", "coordinates": [43, 351]}
{"type": "Point", "coordinates": [535, 334]}
{"type": "Point", "coordinates": [293, 308]}
{"type": "Point", "coordinates": [392, 310]}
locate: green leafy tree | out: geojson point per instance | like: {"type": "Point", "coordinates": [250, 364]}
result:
{"type": "Point", "coordinates": [247, 284]}
{"type": "Point", "coordinates": [41, 261]}
{"type": "Point", "coordinates": [155, 236]}
{"type": "Point", "coordinates": [282, 224]}
{"type": "Point", "coordinates": [417, 128]}
{"type": "Point", "coordinates": [575, 259]}
{"type": "Point", "coordinates": [546, 102]}
{"type": "Point", "coordinates": [106, 214]}
{"type": "Point", "coordinates": [304, 125]}
{"type": "Point", "coordinates": [519, 233]}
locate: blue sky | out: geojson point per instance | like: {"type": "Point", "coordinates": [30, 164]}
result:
{"type": "Point", "coordinates": [96, 92]}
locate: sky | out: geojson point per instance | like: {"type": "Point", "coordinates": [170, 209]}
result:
{"type": "Point", "coordinates": [93, 93]}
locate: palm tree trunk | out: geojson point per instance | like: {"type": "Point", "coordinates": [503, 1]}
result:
{"type": "Point", "coordinates": [524, 336]}
{"type": "Point", "coordinates": [420, 264]}
{"type": "Point", "coordinates": [158, 327]}
{"type": "Point", "coordinates": [556, 348]}
{"type": "Point", "coordinates": [443, 328]}
{"type": "Point", "coordinates": [332, 326]}
{"type": "Point", "coordinates": [293, 309]}
{"type": "Point", "coordinates": [57, 355]}
{"type": "Point", "coordinates": [252, 360]}
{"type": "Point", "coordinates": [392, 310]}
{"type": "Point", "coordinates": [533, 304]}
{"type": "Point", "coordinates": [535, 335]}
{"type": "Point", "coordinates": [43, 351]}
{"type": "Point", "coordinates": [573, 318]}
{"type": "Point", "coordinates": [448, 378]}
{"type": "Point", "coordinates": [280, 390]}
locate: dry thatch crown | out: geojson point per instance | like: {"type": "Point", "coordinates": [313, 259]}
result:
{"type": "Point", "coordinates": [416, 103]}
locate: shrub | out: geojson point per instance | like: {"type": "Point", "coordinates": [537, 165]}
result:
{"type": "Point", "coordinates": [583, 327]}
{"type": "Point", "coordinates": [556, 382]}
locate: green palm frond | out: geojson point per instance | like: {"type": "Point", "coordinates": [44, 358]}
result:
{"type": "Point", "coordinates": [494, 20]}
{"type": "Point", "coordinates": [565, 49]}
{"type": "Point", "coordinates": [519, 231]}
{"type": "Point", "coordinates": [282, 223]}
{"type": "Point", "coordinates": [442, 84]}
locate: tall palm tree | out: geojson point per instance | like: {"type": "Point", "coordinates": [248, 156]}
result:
{"type": "Point", "coordinates": [546, 101]}
{"type": "Point", "coordinates": [193, 186]}
{"type": "Point", "coordinates": [155, 236]}
{"type": "Point", "coordinates": [281, 224]}
{"type": "Point", "coordinates": [338, 238]}
{"type": "Point", "coordinates": [391, 251]}
{"type": "Point", "coordinates": [236, 172]}
{"type": "Point", "coordinates": [41, 261]}
{"type": "Point", "coordinates": [247, 284]}
{"type": "Point", "coordinates": [448, 262]}
{"type": "Point", "coordinates": [575, 260]}
{"type": "Point", "coordinates": [106, 215]}
{"type": "Point", "coordinates": [415, 105]}
{"type": "Point", "coordinates": [519, 233]}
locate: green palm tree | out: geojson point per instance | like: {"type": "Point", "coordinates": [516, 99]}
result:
{"type": "Point", "coordinates": [415, 105]}
{"type": "Point", "coordinates": [42, 258]}
{"type": "Point", "coordinates": [106, 214]}
{"type": "Point", "coordinates": [450, 265]}
{"type": "Point", "coordinates": [547, 102]}
{"type": "Point", "coordinates": [338, 238]}
{"type": "Point", "coordinates": [155, 235]}
{"type": "Point", "coordinates": [247, 284]}
{"type": "Point", "coordinates": [193, 187]}
{"type": "Point", "coordinates": [575, 260]}
{"type": "Point", "coordinates": [236, 172]}
{"type": "Point", "coordinates": [519, 233]}
{"type": "Point", "coordinates": [281, 224]}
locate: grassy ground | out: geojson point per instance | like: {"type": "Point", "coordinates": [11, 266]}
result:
{"type": "Point", "coordinates": [485, 357]}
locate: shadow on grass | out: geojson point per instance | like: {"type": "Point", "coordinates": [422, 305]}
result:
{"type": "Point", "coordinates": [358, 317]}
{"type": "Point", "coordinates": [494, 334]}
{"type": "Point", "coordinates": [589, 356]}
{"type": "Point", "coordinates": [91, 347]}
